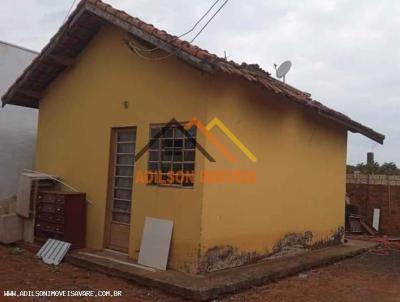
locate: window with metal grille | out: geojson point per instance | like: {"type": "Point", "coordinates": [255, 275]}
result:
{"type": "Point", "coordinates": [172, 155]}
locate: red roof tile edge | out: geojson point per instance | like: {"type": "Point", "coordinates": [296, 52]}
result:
{"type": "Point", "coordinates": [249, 72]}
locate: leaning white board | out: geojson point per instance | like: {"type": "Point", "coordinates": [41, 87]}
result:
{"type": "Point", "coordinates": [376, 218]}
{"type": "Point", "coordinates": [53, 251]}
{"type": "Point", "coordinates": [156, 241]}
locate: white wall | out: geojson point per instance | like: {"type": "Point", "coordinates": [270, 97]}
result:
{"type": "Point", "coordinates": [18, 125]}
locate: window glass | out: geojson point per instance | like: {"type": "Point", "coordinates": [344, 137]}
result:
{"type": "Point", "coordinates": [172, 151]}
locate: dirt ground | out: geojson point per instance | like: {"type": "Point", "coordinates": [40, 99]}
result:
{"type": "Point", "coordinates": [373, 276]}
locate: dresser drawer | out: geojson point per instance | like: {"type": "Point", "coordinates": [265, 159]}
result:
{"type": "Point", "coordinates": [48, 198]}
{"type": "Point", "coordinates": [58, 219]}
{"type": "Point", "coordinates": [46, 208]}
{"type": "Point", "coordinates": [59, 228]}
{"type": "Point", "coordinates": [61, 215]}
{"type": "Point", "coordinates": [44, 226]}
{"type": "Point", "coordinates": [49, 227]}
{"type": "Point", "coordinates": [50, 217]}
{"type": "Point", "coordinates": [60, 199]}
{"type": "Point", "coordinates": [59, 209]}
{"type": "Point", "coordinates": [50, 208]}
{"type": "Point", "coordinates": [51, 198]}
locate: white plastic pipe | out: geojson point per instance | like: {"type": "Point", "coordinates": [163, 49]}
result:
{"type": "Point", "coordinates": [58, 180]}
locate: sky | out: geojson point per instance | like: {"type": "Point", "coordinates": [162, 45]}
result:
{"type": "Point", "coordinates": [345, 53]}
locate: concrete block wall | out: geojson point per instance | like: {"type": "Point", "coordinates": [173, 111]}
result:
{"type": "Point", "coordinates": [356, 178]}
{"type": "Point", "coordinates": [377, 191]}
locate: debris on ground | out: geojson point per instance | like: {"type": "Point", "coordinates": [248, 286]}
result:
{"type": "Point", "coordinates": [302, 276]}
{"type": "Point", "coordinates": [385, 241]}
{"type": "Point", "coordinates": [54, 268]}
{"type": "Point", "coordinates": [16, 251]}
{"type": "Point", "coordinates": [288, 251]}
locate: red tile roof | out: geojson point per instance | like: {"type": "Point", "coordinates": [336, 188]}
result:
{"type": "Point", "coordinates": [91, 14]}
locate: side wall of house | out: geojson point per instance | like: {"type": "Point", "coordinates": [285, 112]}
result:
{"type": "Point", "coordinates": [77, 114]}
{"type": "Point", "coordinates": [298, 196]}
{"type": "Point", "coordinates": [18, 125]}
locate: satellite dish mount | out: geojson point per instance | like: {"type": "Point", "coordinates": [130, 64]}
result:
{"type": "Point", "coordinates": [282, 70]}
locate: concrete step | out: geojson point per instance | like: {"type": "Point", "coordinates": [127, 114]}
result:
{"type": "Point", "coordinates": [212, 285]}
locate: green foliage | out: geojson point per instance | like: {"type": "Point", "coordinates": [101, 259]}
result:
{"type": "Point", "coordinates": [375, 168]}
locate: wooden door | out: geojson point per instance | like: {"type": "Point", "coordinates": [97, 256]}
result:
{"type": "Point", "coordinates": [120, 188]}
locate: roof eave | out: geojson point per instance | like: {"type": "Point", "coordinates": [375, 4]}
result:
{"type": "Point", "coordinates": [8, 97]}
{"type": "Point", "coordinates": [356, 128]}
{"type": "Point", "coordinates": [163, 45]}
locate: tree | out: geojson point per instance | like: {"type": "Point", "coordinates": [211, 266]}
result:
{"type": "Point", "coordinates": [389, 169]}
{"type": "Point", "coordinates": [374, 168]}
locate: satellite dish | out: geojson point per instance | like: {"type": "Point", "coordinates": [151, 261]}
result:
{"type": "Point", "coordinates": [283, 69]}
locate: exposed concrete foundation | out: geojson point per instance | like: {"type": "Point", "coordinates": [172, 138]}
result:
{"type": "Point", "coordinates": [223, 257]}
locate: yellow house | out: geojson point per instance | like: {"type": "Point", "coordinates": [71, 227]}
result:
{"type": "Point", "coordinates": [268, 161]}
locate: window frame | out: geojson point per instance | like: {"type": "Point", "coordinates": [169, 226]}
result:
{"type": "Point", "coordinates": [160, 151]}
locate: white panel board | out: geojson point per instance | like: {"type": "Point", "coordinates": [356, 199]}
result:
{"type": "Point", "coordinates": [24, 196]}
{"type": "Point", "coordinates": [29, 230]}
{"type": "Point", "coordinates": [11, 226]}
{"type": "Point", "coordinates": [156, 241]}
{"type": "Point", "coordinates": [376, 218]}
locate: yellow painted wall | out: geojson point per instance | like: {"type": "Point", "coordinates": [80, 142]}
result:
{"type": "Point", "coordinates": [300, 168]}
{"type": "Point", "coordinates": [300, 171]}
{"type": "Point", "coordinates": [77, 114]}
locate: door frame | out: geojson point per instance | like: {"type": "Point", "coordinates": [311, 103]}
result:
{"type": "Point", "coordinates": [110, 179]}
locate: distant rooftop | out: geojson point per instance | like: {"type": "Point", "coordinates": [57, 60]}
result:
{"type": "Point", "coordinates": [19, 47]}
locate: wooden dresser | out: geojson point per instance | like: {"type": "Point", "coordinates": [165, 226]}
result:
{"type": "Point", "coordinates": [61, 215]}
